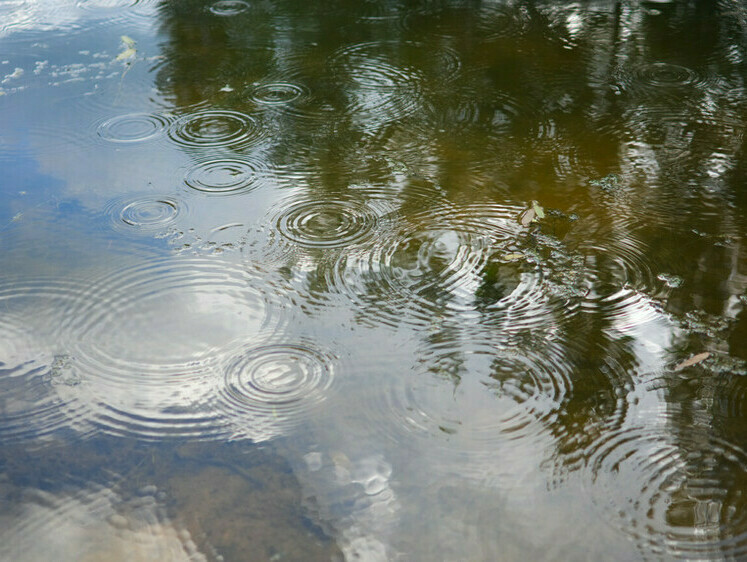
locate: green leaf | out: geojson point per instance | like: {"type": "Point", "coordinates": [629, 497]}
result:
{"type": "Point", "coordinates": [128, 42]}
{"type": "Point", "coordinates": [539, 211]}
{"type": "Point", "coordinates": [126, 54]}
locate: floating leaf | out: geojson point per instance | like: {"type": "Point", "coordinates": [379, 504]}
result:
{"type": "Point", "coordinates": [129, 51]}
{"type": "Point", "coordinates": [527, 216]}
{"type": "Point", "coordinates": [128, 42]}
{"type": "Point", "coordinates": [126, 54]}
{"type": "Point", "coordinates": [694, 360]}
{"type": "Point", "coordinates": [513, 257]}
{"type": "Point", "coordinates": [539, 211]}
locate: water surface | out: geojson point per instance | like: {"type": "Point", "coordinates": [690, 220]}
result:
{"type": "Point", "coordinates": [412, 280]}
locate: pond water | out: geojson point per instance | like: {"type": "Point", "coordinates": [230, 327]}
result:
{"type": "Point", "coordinates": [373, 280]}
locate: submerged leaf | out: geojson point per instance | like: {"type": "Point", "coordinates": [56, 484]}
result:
{"type": "Point", "coordinates": [694, 360]}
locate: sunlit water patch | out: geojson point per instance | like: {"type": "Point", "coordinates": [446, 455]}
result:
{"type": "Point", "coordinates": [151, 339]}
{"type": "Point", "coordinates": [674, 494]}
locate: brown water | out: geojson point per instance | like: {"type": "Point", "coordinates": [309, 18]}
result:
{"type": "Point", "coordinates": [373, 280]}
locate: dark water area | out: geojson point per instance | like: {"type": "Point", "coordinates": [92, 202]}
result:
{"type": "Point", "coordinates": [373, 280]}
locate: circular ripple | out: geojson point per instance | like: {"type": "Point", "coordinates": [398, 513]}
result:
{"type": "Point", "coordinates": [326, 224]}
{"type": "Point", "coordinates": [226, 176]}
{"type": "Point", "coordinates": [386, 81]}
{"type": "Point", "coordinates": [277, 93]}
{"type": "Point", "coordinates": [133, 127]}
{"type": "Point", "coordinates": [228, 7]}
{"type": "Point", "coordinates": [210, 128]}
{"type": "Point", "coordinates": [468, 405]}
{"type": "Point", "coordinates": [279, 383]}
{"type": "Point", "coordinates": [445, 261]}
{"type": "Point", "coordinates": [492, 21]}
{"type": "Point", "coordinates": [152, 338]}
{"type": "Point", "coordinates": [675, 494]}
{"type": "Point", "coordinates": [148, 214]}
{"type": "Point", "coordinates": [661, 74]}
{"type": "Point", "coordinates": [515, 393]}
{"type": "Point", "coordinates": [35, 333]}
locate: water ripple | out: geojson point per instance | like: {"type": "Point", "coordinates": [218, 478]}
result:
{"type": "Point", "coordinates": [35, 334]}
{"type": "Point", "coordinates": [134, 127]}
{"type": "Point", "coordinates": [146, 214]}
{"type": "Point", "coordinates": [212, 128]}
{"type": "Point", "coordinates": [385, 81]}
{"type": "Point", "coordinates": [228, 8]}
{"type": "Point", "coordinates": [473, 397]}
{"type": "Point", "coordinates": [333, 223]}
{"type": "Point", "coordinates": [446, 260]}
{"type": "Point", "coordinates": [226, 176]}
{"type": "Point", "coordinates": [151, 339]}
{"type": "Point", "coordinates": [275, 384]}
{"type": "Point", "coordinates": [675, 494]}
{"type": "Point", "coordinates": [277, 93]}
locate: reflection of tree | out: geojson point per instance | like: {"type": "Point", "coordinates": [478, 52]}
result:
{"type": "Point", "coordinates": [548, 98]}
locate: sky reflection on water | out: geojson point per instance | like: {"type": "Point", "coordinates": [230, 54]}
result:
{"type": "Point", "coordinates": [373, 280]}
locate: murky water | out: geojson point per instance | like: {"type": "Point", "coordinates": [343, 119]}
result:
{"type": "Point", "coordinates": [373, 280]}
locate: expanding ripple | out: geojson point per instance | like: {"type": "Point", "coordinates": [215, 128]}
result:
{"type": "Point", "coordinates": [35, 333]}
{"type": "Point", "coordinates": [446, 260]}
{"type": "Point", "coordinates": [659, 76]}
{"type": "Point", "coordinates": [275, 385]}
{"type": "Point", "coordinates": [212, 128]}
{"type": "Point", "coordinates": [474, 402]}
{"type": "Point", "coordinates": [228, 8]}
{"type": "Point", "coordinates": [277, 93]}
{"type": "Point", "coordinates": [226, 176]}
{"type": "Point", "coordinates": [385, 81]}
{"type": "Point", "coordinates": [493, 21]}
{"type": "Point", "coordinates": [675, 494]}
{"type": "Point", "coordinates": [147, 214]}
{"type": "Point", "coordinates": [152, 339]}
{"type": "Point", "coordinates": [133, 127]}
{"type": "Point", "coordinates": [334, 223]}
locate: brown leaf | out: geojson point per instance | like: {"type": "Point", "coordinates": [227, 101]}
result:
{"type": "Point", "coordinates": [526, 218]}
{"type": "Point", "coordinates": [694, 360]}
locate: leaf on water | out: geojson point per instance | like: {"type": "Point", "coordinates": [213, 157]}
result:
{"type": "Point", "coordinates": [513, 257]}
{"type": "Point", "coordinates": [527, 216]}
{"type": "Point", "coordinates": [128, 42]}
{"type": "Point", "coordinates": [130, 51]}
{"type": "Point", "coordinates": [126, 54]}
{"type": "Point", "coordinates": [694, 360]}
{"type": "Point", "coordinates": [540, 212]}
